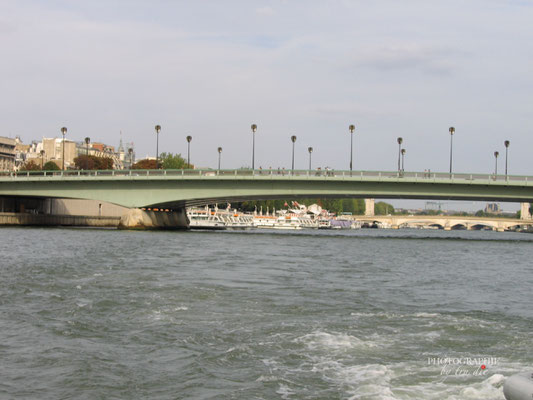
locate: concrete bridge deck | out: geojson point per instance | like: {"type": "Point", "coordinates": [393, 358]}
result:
{"type": "Point", "coordinates": [179, 188]}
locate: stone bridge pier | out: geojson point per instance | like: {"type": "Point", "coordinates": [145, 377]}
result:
{"type": "Point", "coordinates": [137, 218]}
{"type": "Point", "coordinates": [369, 207]}
{"type": "Point", "coordinates": [524, 211]}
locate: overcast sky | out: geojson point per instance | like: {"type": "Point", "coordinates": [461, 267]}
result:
{"type": "Point", "coordinates": [307, 68]}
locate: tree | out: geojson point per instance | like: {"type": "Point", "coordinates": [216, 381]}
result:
{"type": "Point", "coordinates": [30, 166]}
{"type": "Point", "coordinates": [382, 208]}
{"type": "Point", "coordinates": [50, 166]}
{"type": "Point", "coordinates": [172, 161]}
{"type": "Point", "coordinates": [355, 206]}
{"type": "Point", "coordinates": [92, 162]}
{"type": "Point", "coordinates": [144, 164]}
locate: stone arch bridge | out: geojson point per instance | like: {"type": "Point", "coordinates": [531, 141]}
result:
{"type": "Point", "coordinates": [445, 222]}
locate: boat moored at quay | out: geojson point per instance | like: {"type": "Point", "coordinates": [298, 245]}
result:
{"type": "Point", "coordinates": [295, 218]}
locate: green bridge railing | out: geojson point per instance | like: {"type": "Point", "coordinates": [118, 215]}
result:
{"type": "Point", "coordinates": [274, 174]}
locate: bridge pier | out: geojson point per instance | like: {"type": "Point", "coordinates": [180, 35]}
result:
{"type": "Point", "coordinates": [136, 218]}
{"type": "Point", "coordinates": [524, 211]}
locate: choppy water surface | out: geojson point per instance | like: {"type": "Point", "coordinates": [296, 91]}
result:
{"type": "Point", "coordinates": [369, 314]}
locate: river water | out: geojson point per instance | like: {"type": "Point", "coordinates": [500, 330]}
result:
{"type": "Point", "coordinates": [366, 314]}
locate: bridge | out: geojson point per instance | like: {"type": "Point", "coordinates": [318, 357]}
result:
{"type": "Point", "coordinates": [446, 222]}
{"type": "Point", "coordinates": [177, 189]}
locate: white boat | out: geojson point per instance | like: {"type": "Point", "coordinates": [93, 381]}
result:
{"type": "Point", "coordinates": [205, 219]}
{"type": "Point", "coordinates": [264, 221]}
{"type": "Point", "coordinates": [238, 221]}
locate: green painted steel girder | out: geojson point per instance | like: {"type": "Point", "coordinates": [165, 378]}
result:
{"type": "Point", "coordinates": [178, 188]}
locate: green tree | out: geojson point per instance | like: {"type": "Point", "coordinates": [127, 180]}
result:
{"type": "Point", "coordinates": [50, 166]}
{"type": "Point", "coordinates": [382, 208]}
{"type": "Point", "coordinates": [30, 166]}
{"type": "Point", "coordinates": [355, 206]}
{"type": "Point", "coordinates": [172, 161]}
{"type": "Point", "coordinates": [332, 205]}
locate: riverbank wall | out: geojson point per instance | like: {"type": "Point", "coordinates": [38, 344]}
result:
{"type": "Point", "coordinates": [26, 219]}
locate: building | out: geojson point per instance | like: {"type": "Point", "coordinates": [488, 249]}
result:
{"type": "Point", "coordinates": [7, 154]}
{"type": "Point", "coordinates": [53, 151]}
{"type": "Point", "coordinates": [493, 208]}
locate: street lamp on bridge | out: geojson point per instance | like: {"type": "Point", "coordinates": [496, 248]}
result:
{"type": "Point", "coordinates": [506, 143]}
{"type": "Point", "coordinates": [130, 152]}
{"type": "Point", "coordinates": [189, 138]}
{"type": "Point", "coordinates": [310, 150]}
{"type": "Point", "coordinates": [157, 130]}
{"type": "Point", "coordinates": [400, 141]}
{"type": "Point", "coordinates": [403, 154]}
{"type": "Point", "coordinates": [496, 154]}
{"type": "Point", "coordinates": [63, 132]}
{"type": "Point", "coordinates": [87, 141]}
{"type": "Point", "coordinates": [452, 131]}
{"type": "Point", "coordinates": [219, 156]}
{"type": "Point", "coordinates": [351, 128]}
{"type": "Point", "coordinates": [254, 128]}
{"type": "Point", "coordinates": [42, 159]}
{"type": "Point", "coordinates": [293, 139]}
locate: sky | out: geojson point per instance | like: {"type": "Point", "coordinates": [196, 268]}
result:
{"type": "Point", "coordinates": [310, 68]}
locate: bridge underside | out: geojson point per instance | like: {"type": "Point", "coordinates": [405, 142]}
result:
{"type": "Point", "coordinates": [176, 193]}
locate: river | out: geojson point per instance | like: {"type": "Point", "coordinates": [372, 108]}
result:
{"type": "Point", "coordinates": [362, 314]}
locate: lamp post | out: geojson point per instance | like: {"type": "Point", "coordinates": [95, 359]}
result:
{"type": "Point", "coordinates": [506, 143]}
{"type": "Point", "coordinates": [403, 154]}
{"type": "Point", "coordinates": [351, 128]}
{"type": "Point", "coordinates": [293, 140]}
{"type": "Point", "coordinates": [496, 154]}
{"type": "Point", "coordinates": [130, 152]}
{"type": "Point", "coordinates": [63, 132]}
{"type": "Point", "coordinates": [189, 138]}
{"type": "Point", "coordinates": [400, 141]}
{"type": "Point", "coordinates": [452, 131]}
{"type": "Point", "coordinates": [254, 128]}
{"type": "Point", "coordinates": [42, 159]}
{"type": "Point", "coordinates": [87, 141]}
{"type": "Point", "coordinates": [310, 150]}
{"type": "Point", "coordinates": [219, 156]}
{"type": "Point", "coordinates": [157, 129]}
